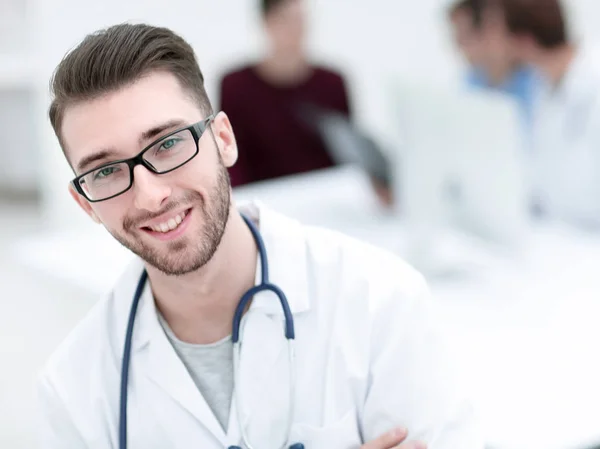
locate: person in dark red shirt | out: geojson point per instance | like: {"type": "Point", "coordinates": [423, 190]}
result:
{"type": "Point", "coordinates": [264, 101]}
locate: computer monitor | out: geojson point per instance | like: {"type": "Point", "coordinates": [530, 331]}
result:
{"type": "Point", "coordinates": [462, 162]}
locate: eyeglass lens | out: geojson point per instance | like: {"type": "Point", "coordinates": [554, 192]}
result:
{"type": "Point", "coordinates": [166, 154]}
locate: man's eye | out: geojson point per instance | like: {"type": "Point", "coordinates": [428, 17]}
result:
{"type": "Point", "coordinates": [105, 172]}
{"type": "Point", "coordinates": [168, 144]}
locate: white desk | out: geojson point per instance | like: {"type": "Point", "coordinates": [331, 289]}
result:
{"type": "Point", "coordinates": [529, 343]}
{"type": "Point", "coordinates": [524, 328]}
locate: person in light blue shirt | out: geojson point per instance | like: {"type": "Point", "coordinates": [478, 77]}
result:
{"type": "Point", "coordinates": [482, 37]}
{"type": "Point", "coordinates": [521, 84]}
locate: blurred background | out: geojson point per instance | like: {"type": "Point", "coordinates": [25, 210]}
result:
{"type": "Point", "coordinates": [458, 134]}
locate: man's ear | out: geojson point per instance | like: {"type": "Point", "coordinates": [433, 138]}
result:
{"type": "Point", "coordinates": [83, 203]}
{"type": "Point", "coordinates": [225, 138]}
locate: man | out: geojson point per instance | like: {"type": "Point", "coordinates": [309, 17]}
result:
{"type": "Point", "coordinates": [566, 135]}
{"type": "Point", "coordinates": [482, 37]}
{"type": "Point", "coordinates": [150, 160]}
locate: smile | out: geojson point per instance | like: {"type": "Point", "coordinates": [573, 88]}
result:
{"type": "Point", "coordinates": [171, 224]}
{"type": "Point", "coordinates": [170, 229]}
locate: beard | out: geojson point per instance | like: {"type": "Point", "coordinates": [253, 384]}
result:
{"type": "Point", "coordinates": [190, 254]}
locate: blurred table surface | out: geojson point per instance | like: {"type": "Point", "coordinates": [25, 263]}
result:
{"type": "Point", "coordinates": [522, 323]}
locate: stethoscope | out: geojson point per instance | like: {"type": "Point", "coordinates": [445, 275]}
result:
{"type": "Point", "coordinates": [264, 285]}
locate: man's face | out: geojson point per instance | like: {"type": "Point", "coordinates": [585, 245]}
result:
{"type": "Point", "coordinates": [191, 203]}
{"type": "Point", "coordinates": [285, 25]}
{"type": "Point", "coordinates": [466, 36]}
{"type": "Point", "coordinates": [500, 51]}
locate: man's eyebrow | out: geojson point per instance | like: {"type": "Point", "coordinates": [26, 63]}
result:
{"type": "Point", "coordinates": [159, 129]}
{"type": "Point", "coordinates": [144, 137]}
{"type": "Point", "coordinates": [86, 161]}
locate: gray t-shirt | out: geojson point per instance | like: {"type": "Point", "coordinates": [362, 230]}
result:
{"type": "Point", "coordinates": [211, 368]}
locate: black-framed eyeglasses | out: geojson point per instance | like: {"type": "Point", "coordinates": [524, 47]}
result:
{"type": "Point", "coordinates": [162, 156]}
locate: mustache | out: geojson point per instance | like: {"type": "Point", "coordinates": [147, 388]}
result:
{"type": "Point", "coordinates": [132, 222]}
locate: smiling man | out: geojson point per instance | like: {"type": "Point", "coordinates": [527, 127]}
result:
{"type": "Point", "coordinates": [154, 364]}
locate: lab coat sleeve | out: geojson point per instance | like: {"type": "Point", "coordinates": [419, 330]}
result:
{"type": "Point", "coordinates": [56, 429]}
{"type": "Point", "coordinates": [412, 383]}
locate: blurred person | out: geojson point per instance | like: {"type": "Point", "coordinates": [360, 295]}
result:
{"type": "Point", "coordinates": [482, 37]}
{"type": "Point", "coordinates": [566, 140]}
{"type": "Point", "coordinates": [158, 363]}
{"type": "Point", "coordinates": [264, 101]}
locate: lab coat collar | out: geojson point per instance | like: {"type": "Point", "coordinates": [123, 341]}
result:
{"type": "Point", "coordinates": [286, 251]}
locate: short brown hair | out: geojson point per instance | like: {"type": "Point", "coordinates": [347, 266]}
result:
{"type": "Point", "coordinates": [112, 58]}
{"type": "Point", "coordinates": [543, 20]}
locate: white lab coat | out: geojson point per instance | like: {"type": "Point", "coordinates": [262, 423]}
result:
{"type": "Point", "coordinates": [566, 143]}
{"type": "Point", "coordinates": [368, 359]}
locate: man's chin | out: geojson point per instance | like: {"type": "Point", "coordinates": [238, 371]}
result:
{"type": "Point", "coordinates": [171, 267]}
{"type": "Point", "coordinates": [174, 271]}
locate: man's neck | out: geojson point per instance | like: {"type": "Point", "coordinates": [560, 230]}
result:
{"type": "Point", "coordinates": [554, 64]}
{"type": "Point", "coordinates": [199, 306]}
{"type": "Point", "coordinates": [285, 69]}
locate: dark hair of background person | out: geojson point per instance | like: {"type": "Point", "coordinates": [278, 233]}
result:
{"type": "Point", "coordinates": [266, 6]}
{"type": "Point", "coordinates": [473, 7]}
{"type": "Point", "coordinates": [543, 20]}
{"type": "Point", "coordinates": [115, 57]}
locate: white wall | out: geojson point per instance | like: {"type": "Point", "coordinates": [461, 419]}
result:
{"type": "Point", "coordinates": [17, 136]}
{"type": "Point", "coordinates": [369, 40]}
{"type": "Point", "coordinates": [18, 139]}
{"type": "Point", "coordinates": [585, 19]}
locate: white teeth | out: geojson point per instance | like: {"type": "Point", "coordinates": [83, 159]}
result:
{"type": "Point", "coordinates": [169, 225]}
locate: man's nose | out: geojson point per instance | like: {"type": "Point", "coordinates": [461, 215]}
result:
{"type": "Point", "coordinates": [150, 191]}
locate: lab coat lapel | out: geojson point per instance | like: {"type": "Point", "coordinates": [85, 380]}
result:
{"type": "Point", "coordinates": [285, 244]}
{"type": "Point", "coordinates": [166, 370]}
{"type": "Point", "coordinates": [264, 376]}
{"type": "Point", "coordinates": [264, 361]}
